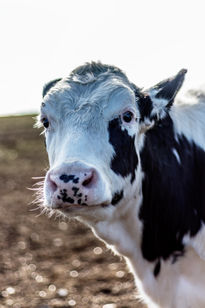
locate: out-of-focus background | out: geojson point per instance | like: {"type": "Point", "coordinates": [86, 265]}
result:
{"type": "Point", "coordinates": [46, 263]}
{"type": "Point", "coordinates": [45, 39]}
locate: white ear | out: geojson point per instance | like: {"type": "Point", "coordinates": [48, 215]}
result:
{"type": "Point", "coordinates": [163, 94]}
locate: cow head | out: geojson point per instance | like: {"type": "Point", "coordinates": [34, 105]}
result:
{"type": "Point", "coordinates": [95, 121]}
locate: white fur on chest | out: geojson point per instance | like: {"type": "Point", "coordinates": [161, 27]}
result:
{"type": "Point", "coordinates": [178, 285]}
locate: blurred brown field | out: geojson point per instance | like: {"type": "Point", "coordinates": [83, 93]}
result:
{"type": "Point", "coordinates": [44, 262]}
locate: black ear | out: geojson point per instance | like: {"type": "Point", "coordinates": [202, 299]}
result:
{"type": "Point", "coordinates": [49, 85]}
{"type": "Point", "coordinates": [168, 88]}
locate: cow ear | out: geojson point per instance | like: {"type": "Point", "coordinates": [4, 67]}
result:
{"type": "Point", "coordinates": [162, 95]}
{"type": "Point", "coordinates": [168, 88]}
{"type": "Point", "coordinates": [154, 103]}
{"type": "Point", "coordinates": [49, 85]}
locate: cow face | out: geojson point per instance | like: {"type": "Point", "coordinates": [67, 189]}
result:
{"type": "Point", "coordinates": [94, 128]}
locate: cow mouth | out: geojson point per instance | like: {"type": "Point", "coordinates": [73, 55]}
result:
{"type": "Point", "coordinates": [68, 207]}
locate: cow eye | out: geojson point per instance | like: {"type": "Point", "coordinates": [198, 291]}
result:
{"type": "Point", "coordinates": [45, 122]}
{"type": "Point", "coordinates": [127, 116]}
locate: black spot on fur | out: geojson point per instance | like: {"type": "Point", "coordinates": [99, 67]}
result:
{"type": "Point", "coordinates": [79, 201]}
{"type": "Point", "coordinates": [157, 268]}
{"type": "Point", "coordinates": [75, 189]}
{"type": "Point", "coordinates": [79, 195]}
{"type": "Point", "coordinates": [65, 197]}
{"type": "Point", "coordinates": [125, 159]}
{"type": "Point", "coordinates": [68, 199]}
{"type": "Point", "coordinates": [172, 192]}
{"type": "Point", "coordinates": [145, 107]}
{"type": "Point", "coordinates": [117, 197]}
{"type": "Point", "coordinates": [177, 255]}
{"type": "Point", "coordinates": [67, 178]}
{"type": "Point", "coordinates": [76, 180]}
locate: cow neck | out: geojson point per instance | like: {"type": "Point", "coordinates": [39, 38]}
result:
{"type": "Point", "coordinates": [171, 188]}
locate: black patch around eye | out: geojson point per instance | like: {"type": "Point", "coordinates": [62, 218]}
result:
{"type": "Point", "coordinates": [125, 160]}
{"type": "Point", "coordinates": [127, 116]}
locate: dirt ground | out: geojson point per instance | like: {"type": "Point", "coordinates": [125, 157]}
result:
{"type": "Point", "coordinates": [44, 262]}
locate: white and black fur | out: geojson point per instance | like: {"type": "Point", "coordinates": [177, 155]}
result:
{"type": "Point", "coordinates": [147, 198]}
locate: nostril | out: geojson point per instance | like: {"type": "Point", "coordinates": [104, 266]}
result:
{"type": "Point", "coordinates": [52, 185]}
{"type": "Point", "coordinates": [88, 181]}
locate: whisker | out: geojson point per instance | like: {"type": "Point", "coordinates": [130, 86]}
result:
{"type": "Point", "coordinates": [35, 209]}
{"type": "Point", "coordinates": [38, 202]}
{"type": "Point", "coordinates": [32, 189]}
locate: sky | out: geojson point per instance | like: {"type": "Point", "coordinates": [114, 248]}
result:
{"type": "Point", "coordinates": [150, 40]}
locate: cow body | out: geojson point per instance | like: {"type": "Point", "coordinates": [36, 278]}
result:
{"type": "Point", "coordinates": [131, 165]}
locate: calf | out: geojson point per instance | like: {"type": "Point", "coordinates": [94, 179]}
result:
{"type": "Point", "coordinates": [131, 165]}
